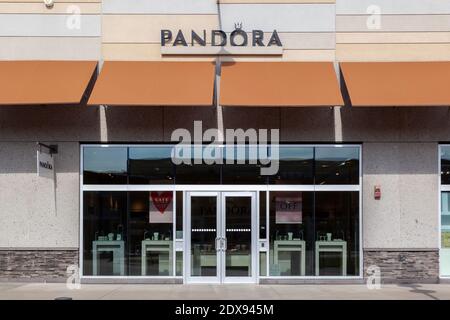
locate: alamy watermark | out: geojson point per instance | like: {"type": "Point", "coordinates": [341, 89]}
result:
{"type": "Point", "coordinates": [239, 146]}
{"type": "Point", "coordinates": [73, 21]}
{"type": "Point", "coordinates": [373, 22]}
{"type": "Point", "coordinates": [374, 277]}
{"type": "Point", "coordinates": [73, 280]}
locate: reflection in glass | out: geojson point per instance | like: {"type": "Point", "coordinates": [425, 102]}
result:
{"type": "Point", "coordinates": [295, 166]}
{"type": "Point", "coordinates": [238, 232]}
{"type": "Point", "coordinates": [203, 236]}
{"type": "Point", "coordinates": [337, 165]}
{"type": "Point", "coordinates": [104, 235]}
{"type": "Point", "coordinates": [337, 233]}
{"type": "Point", "coordinates": [179, 215]}
{"type": "Point", "coordinates": [291, 233]}
{"type": "Point", "coordinates": [241, 166]}
{"type": "Point", "coordinates": [179, 263]}
{"type": "Point", "coordinates": [151, 165]}
{"type": "Point", "coordinates": [105, 165]}
{"type": "Point", "coordinates": [201, 164]}
{"type": "Point", "coordinates": [192, 168]}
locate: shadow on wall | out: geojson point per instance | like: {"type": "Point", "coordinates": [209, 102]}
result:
{"type": "Point", "coordinates": [398, 141]}
{"type": "Point", "coordinates": [296, 124]}
{"type": "Point", "coordinates": [396, 124]}
{"type": "Point", "coordinates": [154, 124]}
{"type": "Point", "coordinates": [359, 125]}
{"type": "Point", "coordinates": [398, 158]}
{"type": "Point", "coordinates": [22, 126]}
{"type": "Point", "coordinates": [21, 157]}
{"type": "Point", "coordinates": [49, 123]}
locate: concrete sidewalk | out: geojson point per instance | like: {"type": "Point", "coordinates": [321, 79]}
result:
{"type": "Point", "coordinates": [13, 291]}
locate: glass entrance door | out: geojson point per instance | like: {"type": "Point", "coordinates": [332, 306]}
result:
{"type": "Point", "coordinates": [238, 218]}
{"type": "Point", "coordinates": [203, 245]}
{"type": "Point", "coordinates": [221, 239]}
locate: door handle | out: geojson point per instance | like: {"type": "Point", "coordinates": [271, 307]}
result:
{"type": "Point", "coordinates": [218, 247]}
{"type": "Point", "coordinates": [224, 244]}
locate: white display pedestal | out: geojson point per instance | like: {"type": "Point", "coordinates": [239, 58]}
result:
{"type": "Point", "coordinates": [118, 250]}
{"type": "Point", "coordinates": [332, 246]}
{"type": "Point", "coordinates": [158, 246]}
{"type": "Point", "coordinates": [290, 246]}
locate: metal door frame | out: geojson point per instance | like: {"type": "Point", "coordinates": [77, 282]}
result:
{"type": "Point", "coordinates": [220, 238]}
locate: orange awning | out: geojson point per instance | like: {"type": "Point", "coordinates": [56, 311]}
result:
{"type": "Point", "coordinates": [151, 83]}
{"type": "Point", "coordinates": [279, 84]}
{"type": "Point", "coordinates": [44, 82]}
{"type": "Point", "coordinates": [388, 84]}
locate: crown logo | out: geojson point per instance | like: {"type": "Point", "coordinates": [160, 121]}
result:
{"type": "Point", "coordinates": [238, 25]}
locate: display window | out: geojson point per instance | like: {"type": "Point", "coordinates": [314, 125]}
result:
{"type": "Point", "coordinates": [145, 215]}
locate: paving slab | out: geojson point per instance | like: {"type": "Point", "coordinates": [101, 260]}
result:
{"type": "Point", "coordinates": [50, 291]}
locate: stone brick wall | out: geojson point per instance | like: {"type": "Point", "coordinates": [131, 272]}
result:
{"type": "Point", "coordinates": [404, 266]}
{"type": "Point", "coordinates": [36, 265]}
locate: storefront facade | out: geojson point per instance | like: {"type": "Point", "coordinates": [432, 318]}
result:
{"type": "Point", "coordinates": [357, 91]}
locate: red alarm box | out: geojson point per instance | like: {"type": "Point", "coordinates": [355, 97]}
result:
{"type": "Point", "coordinates": [377, 192]}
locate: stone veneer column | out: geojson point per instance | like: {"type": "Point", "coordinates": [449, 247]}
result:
{"type": "Point", "coordinates": [36, 265]}
{"type": "Point", "coordinates": [404, 266]}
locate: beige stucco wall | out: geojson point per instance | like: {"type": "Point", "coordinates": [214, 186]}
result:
{"type": "Point", "coordinates": [32, 214]}
{"type": "Point", "coordinates": [35, 212]}
{"type": "Point", "coordinates": [406, 216]}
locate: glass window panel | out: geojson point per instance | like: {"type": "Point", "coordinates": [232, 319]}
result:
{"type": "Point", "coordinates": [104, 233]}
{"type": "Point", "coordinates": [179, 215]}
{"type": "Point", "coordinates": [263, 264]}
{"type": "Point", "coordinates": [337, 233]}
{"type": "Point", "coordinates": [138, 224]}
{"type": "Point", "coordinates": [150, 232]}
{"type": "Point", "coordinates": [291, 233]}
{"type": "Point", "coordinates": [151, 165]}
{"type": "Point", "coordinates": [238, 234]}
{"type": "Point", "coordinates": [193, 169]}
{"type": "Point", "coordinates": [203, 236]}
{"type": "Point", "coordinates": [105, 165]}
{"type": "Point", "coordinates": [179, 263]}
{"type": "Point", "coordinates": [295, 166]}
{"type": "Point", "coordinates": [445, 164]}
{"type": "Point", "coordinates": [337, 165]}
{"type": "Point", "coordinates": [241, 166]}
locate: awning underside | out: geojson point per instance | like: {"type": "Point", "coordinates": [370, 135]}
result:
{"type": "Point", "coordinates": [279, 84]}
{"type": "Point", "coordinates": [44, 82]}
{"type": "Point", "coordinates": [148, 83]}
{"type": "Point", "coordinates": [387, 84]}
{"type": "Point", "coordinates": [242, 84]}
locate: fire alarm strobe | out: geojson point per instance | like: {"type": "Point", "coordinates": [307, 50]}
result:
{"type": "Point", "coordinates": [377, 192]}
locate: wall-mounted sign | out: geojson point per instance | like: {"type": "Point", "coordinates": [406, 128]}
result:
{"type": "Point", "coordinates": [288, 209]}
{"type": "Point", "coordinates": [161, 207]}
{"type": "Point", "coordinates": [45, 165]}
{"type": "Point", "coordinates": [219, 42]}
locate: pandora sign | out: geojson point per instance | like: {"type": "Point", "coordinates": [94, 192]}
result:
{"type": "Point", "coordinates": [219, 42]}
